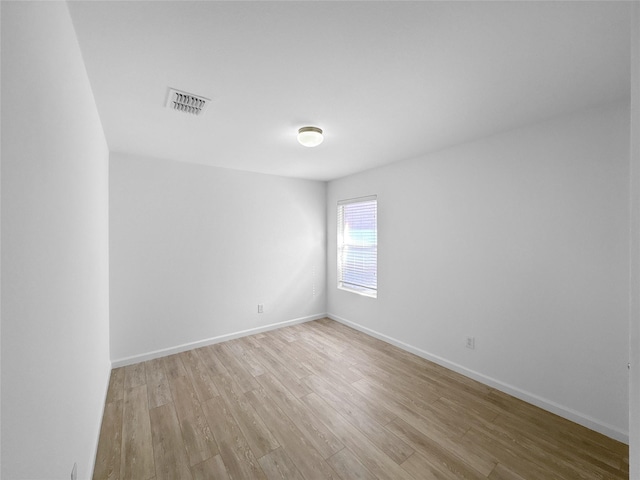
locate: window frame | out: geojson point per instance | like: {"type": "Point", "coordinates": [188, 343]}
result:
{"type": "Point", "coordinates": [371, 288]}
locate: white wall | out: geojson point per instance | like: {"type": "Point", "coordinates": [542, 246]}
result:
{"type": "Point", "coordinates": [55, 330]}
{"type": "Point", "coordinates": [634, 293]}
{"type": "Point", "coordinates": [520, 240]}
{"type": "Point", "coordinates": [195, 249]}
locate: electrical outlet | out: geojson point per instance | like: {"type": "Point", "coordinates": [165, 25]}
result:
{"type": "Point", "coordinates": [471, 342]}
{"type": "Point", "coordinates": [260, 308]}
{"type": "Point", "coordinates": [74, 472]}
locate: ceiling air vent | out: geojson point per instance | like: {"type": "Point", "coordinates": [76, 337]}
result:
{"type": "Point", "coordinates": [187, 102]}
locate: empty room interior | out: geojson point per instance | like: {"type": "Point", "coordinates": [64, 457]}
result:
{"type": "Point", "coordinates": [299, 240]}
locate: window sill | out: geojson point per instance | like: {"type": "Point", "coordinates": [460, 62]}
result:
{"type": "Point", "coordinates": [360, 291]}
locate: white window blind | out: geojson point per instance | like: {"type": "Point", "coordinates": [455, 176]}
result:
{"type": "Point", "coordinates": [358, 245]}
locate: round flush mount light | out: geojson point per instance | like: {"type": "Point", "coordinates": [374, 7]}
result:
{"type": "Point", "coordinates": [310, 136]}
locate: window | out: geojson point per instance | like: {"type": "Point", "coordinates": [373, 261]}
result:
{"type": "Point", "coordinates": [358, 245]}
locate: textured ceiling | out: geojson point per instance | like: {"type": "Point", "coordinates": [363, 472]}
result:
{"type": "Point", "coordinates": [385, 80]}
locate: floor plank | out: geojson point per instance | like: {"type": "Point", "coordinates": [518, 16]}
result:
{"type": "Point", "coordinates": [210, 469]}
{"type": "Point", "coordinates": [351, 395]}
{"type": "Point", "coordinates": [273, 363]}
{"type": "Point", "coordinates": [503, 473]}
{"type": "Point", "coordinates": [198, 439]}
{"type": "Point", "coordinates": [173, 366]}
{"type": "Point", "coordinates": [168, 451]}
{"type": "Point", "coordinates": [134, 375]}
{"type": "Point", "coordinates": [184, 396]}
{"type": "Point", "coordinates": [234, 448]}
{"type": "Point", "coordinates": [235, 367]}
{"type": "Point", "coordinates": [259, 437]}
{"type": "Point", "coordinates": [198, 373]}
{"type": "Point", "coordinates": [278, 466]}
{"type": "Point", "coordinates": [280, 350]}
{"type": "Point", "coordinates": [248, 352]}
{"type": "Point", "coordinates": [325, 442]}
{"type": "Point", "coordinates": [157, 384]}
{"type": "Point", "coordinates": [386, 441]}
{"type": "Point", "coordinates": [426, 464]}
{"type": "Point", "coordinates": [381, 465]}
{"type": "Point", "coordinates": [441, 449]}
{"type": "Point", "coordinates": [347, 465]}
{"type": "Point", "coordinates": [307, 459]}
{"type": "Point", "coordinates": [110, 442]}
{"type": "Point", "coordinates": [137, 461]}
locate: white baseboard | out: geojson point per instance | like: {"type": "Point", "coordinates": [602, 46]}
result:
{"type": "Point", "coordinates": [565, 412]}
{"type": "Point", "coordinates": [122, 362]}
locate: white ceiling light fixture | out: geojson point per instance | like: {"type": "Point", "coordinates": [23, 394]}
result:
{"type": "Point", "coordinates": [310, 136]}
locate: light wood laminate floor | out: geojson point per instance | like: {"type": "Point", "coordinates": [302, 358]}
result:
{"type": "Point", "coordinates": [321, 400]}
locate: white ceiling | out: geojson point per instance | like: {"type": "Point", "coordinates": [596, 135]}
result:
{"type": "Point", "coordinates": [385, 80]}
